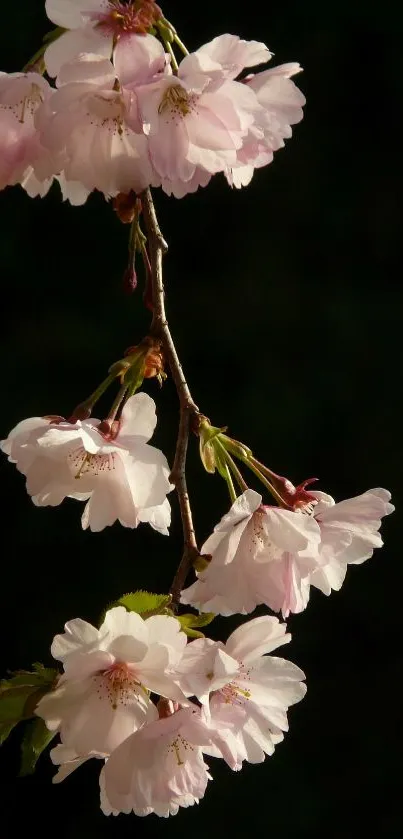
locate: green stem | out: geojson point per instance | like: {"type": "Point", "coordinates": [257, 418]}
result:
{"type": "Point", "coordinates": [230, 483]}
{"type": "Point", "coordinates": [100, 390]}
{"type": "Point", "coordinates": [117, 402]}
{"type": "Point", "coordinates": [229, 462]}
{"type": "Point", "coordinates": [173, 58]}
{"type": "Point", "coordinates": [180, 44]}
{"type": "Point", "coordinates": [34, 60]}
{"type": "Point", "coordinates": [249, 462]}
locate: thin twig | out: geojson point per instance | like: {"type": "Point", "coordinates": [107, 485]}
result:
{"type": "Point", "coordinates": [188, 409]}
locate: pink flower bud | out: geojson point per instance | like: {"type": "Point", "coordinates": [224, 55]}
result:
{"type": "Point", "coordinates": [129, 280]}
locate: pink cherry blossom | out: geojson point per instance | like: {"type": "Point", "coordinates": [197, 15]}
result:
{"type": "Point", "coordinates": [259, 555]}
{"type": "Point", "coordinates": [349, 533]}
{"type": "Point", "coordinates": [193, 120]}
{"type": "Point", "coordinates": [21, 94]}
{"type": "Point", "coordinates": [92, 132]}
{"type": "Point", "coordinates": [103, 695]}
{"type": "Point", "coordinates": [282, 104]}
{"type": "Point", "coordinates": [157, 769]}
{"type": "Point", "coordinates": [95, 25]}
{"type": "Point", "coordinates": [245, 693]}
{"type": "Point", "coordinates": [124, 478]}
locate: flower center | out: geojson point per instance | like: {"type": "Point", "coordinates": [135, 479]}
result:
{"type": "Point", "coordinates": [107, 112]}
{"type": "Point", "coordinates": [175, 749]}
{"type": "Point", "coordinates": [27, 105]}
{"type": "Point", "coordinates": [126, 18]}
{"type": "Point", "coordinates": [232, 694]}
{"type": "Point", "coordinates": [83, 463]}
{"type": "Point", "coordinates": [176, 101]}
{"type": "Point", "coordinates": [118, 685]}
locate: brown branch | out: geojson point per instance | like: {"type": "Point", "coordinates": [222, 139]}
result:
{"type": "Point", "coordinates": [188, 409]}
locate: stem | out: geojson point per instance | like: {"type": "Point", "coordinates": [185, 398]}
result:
{"type": "Point", "coordinates": [180, 44]}
{"type": "Point", "coordinates": [174, 62]}
{"type": "Point", "coordinates": [230, 484]}
{"type": "Point", "coordinates": [187, 407]}
{"type": "Point", "coordinates": [117, 402]}
{"type": "Point", "coordinates": [230, 462]}
{"type": "Point", "coordinates": [249, 462]}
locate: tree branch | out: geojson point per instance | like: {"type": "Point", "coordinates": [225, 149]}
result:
{"type": "Point", "coordinates": [188, 409]}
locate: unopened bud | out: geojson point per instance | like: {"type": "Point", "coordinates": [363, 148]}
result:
{"type": "Point", "coordinates": [129, 281]}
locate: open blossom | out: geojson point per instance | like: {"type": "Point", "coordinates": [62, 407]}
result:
{"type": "Point", "coordinates": [197, 118]}
{"type": "Point", "coordinates": [282, 104]}
{"type": "Point", "coordinates": [242, 689]}
{"type": "Point", "coordinates": [124, 478]}
{"type": "Point", "coordinates": [21, 94]}
{"type": "Point", "coordinates": [92, 132]}
{"type": "Point", "coordinates": [349, 533]}
{"type": "Point", "coordinates": [259, 555]}
{"type": "Point", "coordinates": [103, 695]}
{"type": "Point", "coordinates": [158, 769]}
{"type": "Point", "coordinates": [94, 26]}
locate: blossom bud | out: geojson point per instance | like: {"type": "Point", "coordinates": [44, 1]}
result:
{"type": "Point", "coordinates": [129, 280]}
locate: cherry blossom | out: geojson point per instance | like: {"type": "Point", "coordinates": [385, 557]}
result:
{"type": "Point", "coordinates": [103, 695]}
{"type": "Point", "coordinates": [95, 25]}
{"type": "Point", "coordinates": [282, 104]}
{"type": "Point", "coordinates": [157, 769]}
{"type": "Point", "coordinates": [349, 533]}
{"type": "Point", "coordinates": [245, 693]}
{"type": "Point", "coordinates": [259, 555]}
{"type": "Point", "coordinates": [194, 120]}
{"type": "Point", "coordinates": [124, 478]}
{"type": "Point", "coordinates": [21, 153]}
{"type": "Point", "coordinates": [91, 130]}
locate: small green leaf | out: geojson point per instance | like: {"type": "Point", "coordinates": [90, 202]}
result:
{"type": "Point", "coordinates": [35, 740]}
{"type": "Point", "coordinates": [145, 603]}
{"type": "Point", "coordinates": [20, 694]}
{"type": "Point", "coordinates": [189, 623]}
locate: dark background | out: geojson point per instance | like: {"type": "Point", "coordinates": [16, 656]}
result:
{"type": "Point", "coordinates": [286, 304]}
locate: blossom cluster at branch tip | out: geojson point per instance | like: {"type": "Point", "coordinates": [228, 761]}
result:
{"type": "Point", "coordinates": [122, 118]}
{"type": "Point", "coordinates": [123, 478]}
{"type": "Point", "coordinates": [269, 555]}
{"type": "Point", "coordinates": [151, 706]}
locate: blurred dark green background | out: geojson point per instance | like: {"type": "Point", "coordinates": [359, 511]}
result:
{"type": "Point", "coordinates": [285, 300]}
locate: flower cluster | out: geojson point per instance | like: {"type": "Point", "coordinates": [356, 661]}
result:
{"type": "Point", "coordinates": [136, 695]}
{"type": "Point", "coordinates": [120, 477]}
{"type": "Point", "coordinates": [124, 116]}
{"type": "Point", "coordinates": [261, 554]}
{"type": "Point", "coordinates": [121, 115]}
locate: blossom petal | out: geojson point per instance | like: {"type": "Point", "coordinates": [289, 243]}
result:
{"type": "Point", "coordinates": [257, 637]}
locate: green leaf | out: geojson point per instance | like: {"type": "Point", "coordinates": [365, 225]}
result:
{"type": "Point", "coordinates": [188, 623]}
{"type": "Point", "coordinates": [5, 730]}
{"type": "Point", "coordinates": [145, 603]}
{"type": "Point", "coordinates": [35, 740]}
{"type": "Point", "coordinates": [20, 694]}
